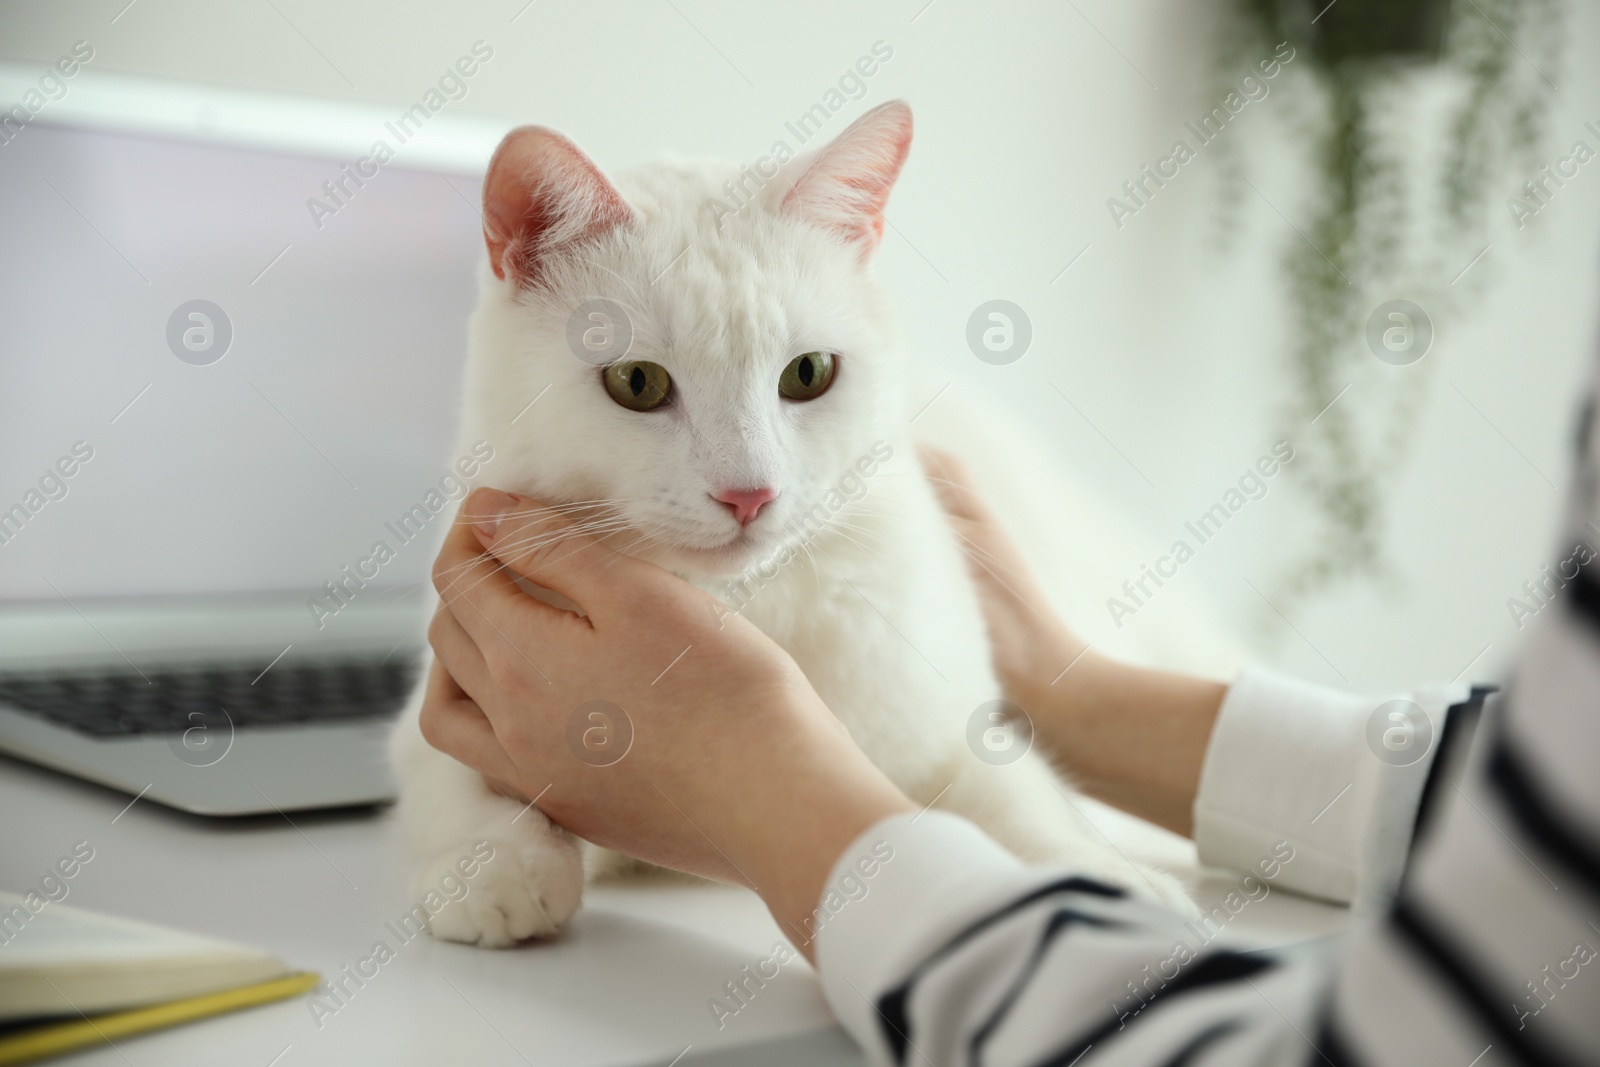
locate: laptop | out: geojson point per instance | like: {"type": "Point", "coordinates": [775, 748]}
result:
{"type": "Point", "coordinates": [228, 372]}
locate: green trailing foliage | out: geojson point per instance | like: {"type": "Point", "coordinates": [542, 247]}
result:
{"type": "Point", "coordinates": [1390, 216]}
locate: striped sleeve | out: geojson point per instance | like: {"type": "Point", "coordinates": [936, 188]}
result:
{"type": "Point", "coordinates": [1486, 953]}
{"type": "Point", "coordinates": [1490, 950]}
{"type": "Point", "coordinates": [954, 953]}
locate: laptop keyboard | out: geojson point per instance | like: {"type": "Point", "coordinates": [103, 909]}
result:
{"type": "Point", "coordinates": [111, 703]}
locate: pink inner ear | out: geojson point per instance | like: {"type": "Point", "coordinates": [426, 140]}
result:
{"type": "Point", "coordinates": [847, 185]}
{"type": "Point", "coordinates": [543, 195]}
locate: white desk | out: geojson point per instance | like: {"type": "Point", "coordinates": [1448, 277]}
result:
{"type": "Point", "coordinates": [627, 984]}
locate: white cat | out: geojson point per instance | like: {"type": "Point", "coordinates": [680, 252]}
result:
{"type": "Point", "coordinates": [754, 439]}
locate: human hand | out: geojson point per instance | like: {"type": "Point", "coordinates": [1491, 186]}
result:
{"type": "Point", "coordinates": [1131, 736]}
{"type": "Point", "coordinates": [735, 769]}
{"type": "Point", "coordinates": [1030, 644]}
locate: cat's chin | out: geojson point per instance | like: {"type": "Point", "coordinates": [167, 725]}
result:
{"type": "Point", "coordinates": [713, 562]}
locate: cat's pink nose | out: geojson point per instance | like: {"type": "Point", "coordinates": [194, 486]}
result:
{"type": "Point", "coordinates": [744, 503]}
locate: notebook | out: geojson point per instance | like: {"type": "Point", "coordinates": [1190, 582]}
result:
{"type": "Point", "coordinates": [70, 977]}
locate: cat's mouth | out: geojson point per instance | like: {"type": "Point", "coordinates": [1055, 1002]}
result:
{"type": "Point", "coordinates": [689, 551]}
{"type": "Point", "coordinates": [745, 552]}
{"type": "Point", "coordinates": [738, 553]}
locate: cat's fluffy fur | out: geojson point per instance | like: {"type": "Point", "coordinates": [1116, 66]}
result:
{"type": "Point", "coordinates": [876, 608]}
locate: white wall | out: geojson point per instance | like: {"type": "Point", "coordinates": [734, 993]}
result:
{"type": "Point", "coordinates": [1029, 116]}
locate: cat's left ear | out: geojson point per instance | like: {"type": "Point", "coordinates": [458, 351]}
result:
{"type": "Point", "coordinates": [845, 186]}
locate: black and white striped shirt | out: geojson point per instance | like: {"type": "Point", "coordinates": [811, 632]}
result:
{"type": "Point", "coordinates": [1466, 831]}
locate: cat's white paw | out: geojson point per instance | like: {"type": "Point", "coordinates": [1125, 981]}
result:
{"type": "Point", "coordinates": [529, 889]}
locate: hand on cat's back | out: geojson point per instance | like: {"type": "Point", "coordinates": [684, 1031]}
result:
{"type": "Point", "coordinates": [724, 762]}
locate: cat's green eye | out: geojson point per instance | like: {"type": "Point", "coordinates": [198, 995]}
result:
{"type": "Point", "coordinates": [807, 376]}
{"type": "Point", "coordinates": [638, 386]}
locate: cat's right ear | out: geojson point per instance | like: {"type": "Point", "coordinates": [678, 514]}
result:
{"type": "Point", "coordinates": [542, 196]}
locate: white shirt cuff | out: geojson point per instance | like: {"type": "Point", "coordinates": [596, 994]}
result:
{"type": "Point", "coordinates": [906, 886]}
{"type": "Point", "coordinates": [1329, 779]}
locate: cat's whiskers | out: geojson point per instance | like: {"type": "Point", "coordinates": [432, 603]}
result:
{"type": "Point", "coordinates": [556, 509]}
{"type": "Point", "coordinates": [991, 565]}
{"type": "Point", "coordinates": [499, 565]}
{"type": "Point", "coordinates": [870, 517]}
{"type": "Point", "coordinates": [863, 521]}
{"type": "Point", "coordinates": [855, 525]}
{"type": "Point", "coordinates": [808, 543]}
{"type": "Point", "coordinates": [838, 525]}
{"type": "Point", "coordinates": [570, 529]}
{"type": "Point", "coordinates": [816, 562]}
{"type": "Point", "coordinates": [841, 531]}
{"type": "Point", "coordinates": [537, 541]}
{"type": "Point", "coordinates": [874, 507]}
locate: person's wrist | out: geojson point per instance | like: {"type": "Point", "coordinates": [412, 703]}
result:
{"type": "Point", "coordinates": [799, 816]}
{"type": "Point", "coordinates": [1070, 713]}
{"type": "Point", "coordinates": [1132, 736]}
{"type": "Point", "coordinates": [1060, 681]}
{"type": "Point", "coordinates": [1078, 691]}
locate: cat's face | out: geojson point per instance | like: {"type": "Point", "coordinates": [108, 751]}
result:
{"type": "Point", "coordinates": [759, 362]}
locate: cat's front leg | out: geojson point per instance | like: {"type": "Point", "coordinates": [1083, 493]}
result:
{"type": "Point", "coordinates": [530, 885]}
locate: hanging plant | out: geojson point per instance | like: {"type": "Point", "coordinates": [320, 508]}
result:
{"type": "Point", "coordinates": [1393, 219]}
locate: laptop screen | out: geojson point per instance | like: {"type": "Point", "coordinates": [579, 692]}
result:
{"type": "Point", "coordinates": [223, 370]}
